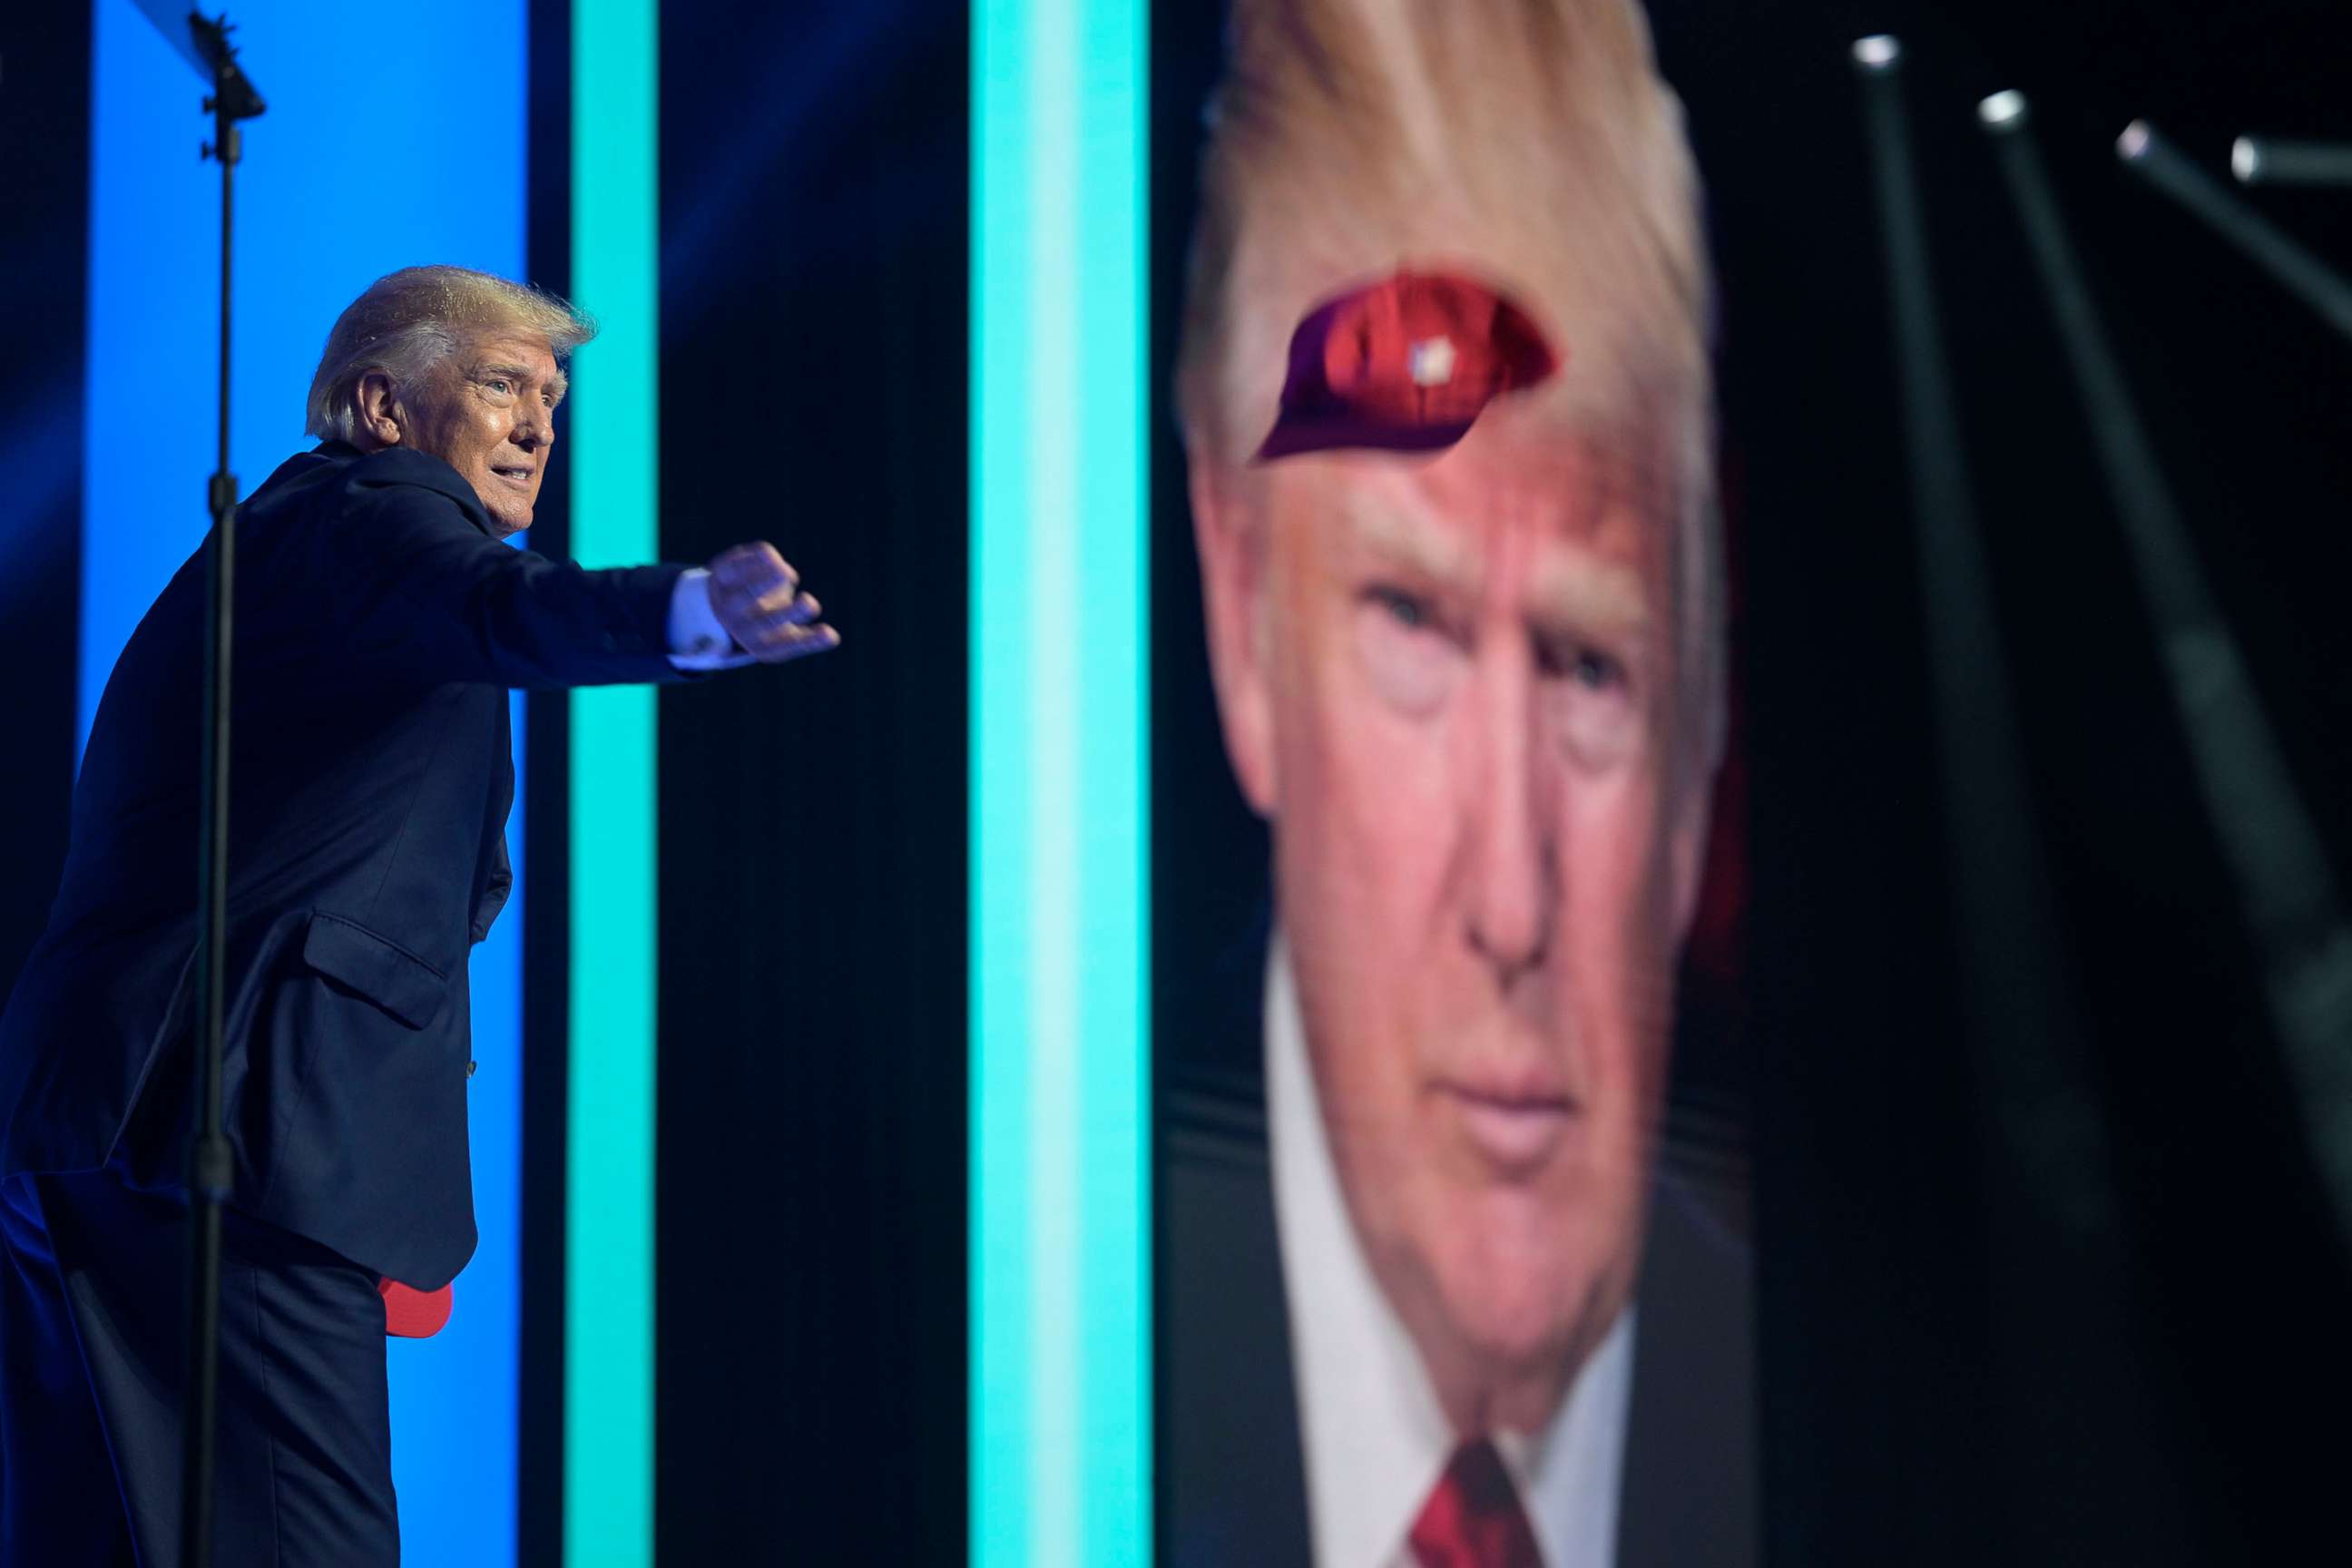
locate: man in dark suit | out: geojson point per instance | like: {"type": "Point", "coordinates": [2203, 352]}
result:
{"type": "Point", "coordinates": [1447, 405]}
{"type": "Point", "coordinates": [381, 619]}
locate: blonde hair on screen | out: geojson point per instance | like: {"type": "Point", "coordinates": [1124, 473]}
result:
{"type": "Point", "coordinates": [1531, 142]}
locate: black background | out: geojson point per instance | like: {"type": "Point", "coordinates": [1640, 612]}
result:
{"type": "Point", "coordinates": [44, 229]}
{"type": "Point", "coordinates": [811, 1366]}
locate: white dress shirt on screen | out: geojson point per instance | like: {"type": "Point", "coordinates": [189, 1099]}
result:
{"type": "Point", "coordinates": [1375, 1439]}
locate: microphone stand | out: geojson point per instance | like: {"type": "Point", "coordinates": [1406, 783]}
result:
{"type": "Point", "coordinates": [204, 43]}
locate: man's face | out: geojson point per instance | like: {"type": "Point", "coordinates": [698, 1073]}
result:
{"type": "Point", "coordinates": [488, 411]}
{"type": "Point", "coordinates": [1463, 674]}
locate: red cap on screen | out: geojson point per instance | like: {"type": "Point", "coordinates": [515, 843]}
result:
{"type": "Point", "coordinates": [1405, 365]}
{"type": "Point", "coordinates": [412, 1314]}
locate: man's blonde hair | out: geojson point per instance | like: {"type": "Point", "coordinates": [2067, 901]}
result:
{"type": "Point", "coordinates": [407, 320]}
{"type": "Point", "coordinates": [1530, 141]}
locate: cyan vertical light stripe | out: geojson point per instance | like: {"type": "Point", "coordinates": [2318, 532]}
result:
{"type": "Point", "coordinates": [311, 234]}
{"type": "Point", "coordinates": [608, 1376]}
{"type": "Point", "coordinates": [1059, 930]}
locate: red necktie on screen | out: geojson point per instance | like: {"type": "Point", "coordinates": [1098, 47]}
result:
{"type": "Point", "coordinates": [1473, 1518]}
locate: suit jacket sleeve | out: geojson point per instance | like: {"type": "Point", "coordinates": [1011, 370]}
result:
{"type": "Point", "coordinates": [421, 590]}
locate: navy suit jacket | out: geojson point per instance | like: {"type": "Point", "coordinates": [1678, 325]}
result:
{"type": "Point", "coordinates": [379, 623]}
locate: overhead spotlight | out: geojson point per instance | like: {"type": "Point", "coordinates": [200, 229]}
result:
{"type": "Point", "coordinates": [1877, 52]}
{"type": "Point", "coordinates": [2271, 161]}
{"type": "Point", "coordinates": [2134, 143]}
{"type": "Point", "coordinates": [2003, 110]}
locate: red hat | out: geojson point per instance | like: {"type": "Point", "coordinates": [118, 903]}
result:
{"type": "Point", "coordinates": [1405, 365]}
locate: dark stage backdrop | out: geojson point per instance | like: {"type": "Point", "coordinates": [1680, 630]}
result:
{"type": "Point", "coordinates": [44, 229]}
{"type": "Point", "coordinates": [810, 1183]}
{"type": "Point", "coordinates": [547, 832]}
{"type": "Point", "coordinates": [811, 1180]}
{"type": "Point", "coordinates": [1964, 1362]}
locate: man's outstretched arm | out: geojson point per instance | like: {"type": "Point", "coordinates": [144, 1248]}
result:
{"type": "Point", "coordinates": [419, 591]}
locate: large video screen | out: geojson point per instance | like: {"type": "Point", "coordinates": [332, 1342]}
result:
{"type": "Point", "coordinates": [1452, 1209]}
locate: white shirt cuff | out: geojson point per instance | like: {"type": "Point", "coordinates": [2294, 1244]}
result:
{"type": "Point", "coordinates": [697, 640]}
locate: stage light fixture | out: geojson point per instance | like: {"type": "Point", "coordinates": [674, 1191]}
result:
{"type": "Point", "coordinates": [2294, 915]}
{"type": "Point", "coordinates": [2021, 1021]}
{"type": "Point", "coordinates": [2004, 111]}
{"type": "Point", "coordinates": [1878, 52]}
{"type": "Point", "coordinates": [2270, 161]}
{"type": "Point", "coordinates": [2147, 154]}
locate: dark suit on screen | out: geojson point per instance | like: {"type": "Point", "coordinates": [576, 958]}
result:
{"type": "Point", "coordinates": [1232, 1474]}
{"type": "Point", "coordinates": [378, 624]}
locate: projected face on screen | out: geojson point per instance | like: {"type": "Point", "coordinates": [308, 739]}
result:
{"type": "Point", "coordinates": [1451, 686]}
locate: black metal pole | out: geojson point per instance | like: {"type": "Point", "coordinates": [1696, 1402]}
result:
{"type": "Point", "coordinates": [208, 1162]}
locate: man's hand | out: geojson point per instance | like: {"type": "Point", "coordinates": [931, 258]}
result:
{"type": "Point", "coordinates": [758, 598]}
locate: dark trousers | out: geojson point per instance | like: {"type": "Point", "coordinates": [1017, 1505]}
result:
{"type": "Point", "coordinates": [93, 1359]}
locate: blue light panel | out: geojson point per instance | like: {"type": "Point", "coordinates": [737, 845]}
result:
{"type": "Point", "coordinates": [1060, 1203]}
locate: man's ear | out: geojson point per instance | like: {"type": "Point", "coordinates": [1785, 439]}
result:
{"type": "Point", "coordinates": [1693, 805]}
{"type": "Point", "coordinates": [382, 420]}
{"type": "Point", "coordinates": [1233, 547]}
{"type": "Point", "coordinates": [1688, 850]}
